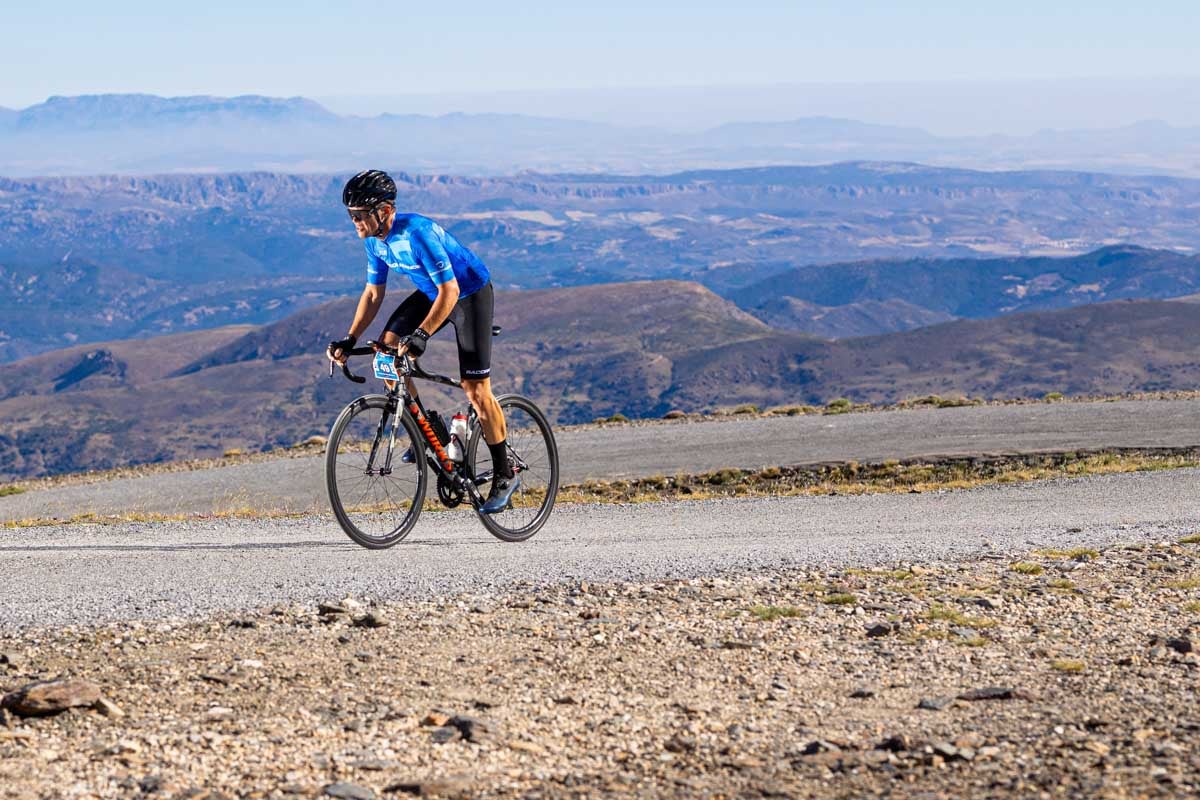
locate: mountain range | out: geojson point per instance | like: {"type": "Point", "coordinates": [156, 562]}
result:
{"type": "Point", "coordinates": [137, 134]}
{"type": "Point", "coordinates": [138, 256]}
{"type": "Point", "coordinates": [864, 298]}
{"type": "Point", "coordinates": [637, 348]}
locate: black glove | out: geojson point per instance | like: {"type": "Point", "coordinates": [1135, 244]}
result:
{"type": "Point", "coordinates": [416, 342]}
{"type": "Point", "coordinates": [343, 344]}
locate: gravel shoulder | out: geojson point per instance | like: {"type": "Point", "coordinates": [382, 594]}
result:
{"type": "Point", "coordinates": [624, 451]}
{"type": "Point", "coordinates": [1072, 676]}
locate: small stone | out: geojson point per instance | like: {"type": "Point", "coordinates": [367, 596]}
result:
{"type": "Point", "coordinates": [1180, 645]}
{"type": "Point", "coordinates": [972, 740]}
{"type": "Point", "coordinates": [218, 713]}
{"type": "Point", "coordinates": [433, 788]}
{"type": "Point", "coordinates": [895, 744]}
{"type": "Point", "coordinates": [108, 708]}
{"type": "Point", "coordinates": [372, 619]}
{"type": "Point", "coordinates": [151, 784]}
{"type": "Point", "coordinates": [435, 718]}
{"type": "Point", "coordinates": [348, 791]}
{"type": "Point", "coordinates": [819, 746]}
{"type": "Point", "coordinates": [679, 744]}
{"type": "Point", "coordinates": [10, 660]}
{"type": "Point", "coordinates": [878, 629]}
{"type": "Point", "coordinates": [862, 694]}
{"type": "Point", "coordinates": [446, 733]}
{"type": "Point", "coordinates": [964, 633]}
{"type": "Point", "coordinates": [990, 693]}
{"type": "Point", "coordinates": [946, 750]}
{"type": "Point", "coordinates": [934, 703]}
{"type": "Point", "coordinates": [51, 697]}
{"type": "Point", "coordinates": [736, 644]}
{"type": "Point", "coordinates": [473, 729]}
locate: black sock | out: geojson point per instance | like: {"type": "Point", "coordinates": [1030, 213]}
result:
{"type": "Point", "coordinates": [500, 464]}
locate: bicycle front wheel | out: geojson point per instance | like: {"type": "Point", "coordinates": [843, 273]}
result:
{"type": "Point", "coordinates": [375, 495]}
{"type": "Point", "coordinates": [534, 455]}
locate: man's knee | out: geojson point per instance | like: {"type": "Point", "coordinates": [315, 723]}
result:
{"type": "Point", "coordinates": [477, 390]}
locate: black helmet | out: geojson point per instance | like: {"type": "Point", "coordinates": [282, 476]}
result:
{"type": "Point", "coordinates": [369, 188]}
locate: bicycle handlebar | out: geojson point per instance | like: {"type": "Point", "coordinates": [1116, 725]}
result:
{"type": "Point", "coordinates": [406, 365]}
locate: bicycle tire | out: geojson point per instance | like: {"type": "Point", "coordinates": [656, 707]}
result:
{"type": "Point", "coordinates": [351, 519]}
{"type": "Point", "coordinates": [507, 525]}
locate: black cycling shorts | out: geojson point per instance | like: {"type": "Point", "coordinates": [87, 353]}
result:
{"type": "Point", "coordinates": [472, 321]}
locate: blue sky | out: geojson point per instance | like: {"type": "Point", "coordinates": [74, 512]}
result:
{"type": "Point", "coordinates": [326, 49]}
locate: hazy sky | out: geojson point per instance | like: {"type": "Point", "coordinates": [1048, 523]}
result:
{"type": "Point", "coordinates": [322, 49]}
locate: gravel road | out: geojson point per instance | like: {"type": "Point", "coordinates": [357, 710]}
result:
{"type": "Point", "coordinates": [626, 451]}
{"type": "Point", "coordinates": [89, 573]}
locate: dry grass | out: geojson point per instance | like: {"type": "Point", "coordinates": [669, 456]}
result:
{"type": "Point", "coordinates": [886, 477]}
{"type": "Point", "coordinates": [91, 518]}
{"type": "Point", "coordinates": [771, 613]}
{"type": "Point", "coordinates": [1027, 568]}
{"type": "Point", "coordinates": [1069, 666]}
{"type": "Point", "coordinates": [945, 613]}
{"type": "Point", "coordinates": [1186, 584]}
{"type": "Point", "coordinates": [1075, 554]}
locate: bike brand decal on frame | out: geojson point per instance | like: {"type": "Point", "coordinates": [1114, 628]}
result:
{"type": "Point", "coordinates": [430, 436]}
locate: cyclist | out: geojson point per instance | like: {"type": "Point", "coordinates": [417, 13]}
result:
{"type": "Point", "coordinates": [453, 286]}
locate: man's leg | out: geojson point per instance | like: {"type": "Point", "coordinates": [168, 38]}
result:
{"type": "Point", "coordinates": [491, 416]}
{"type": "Point", "coordinates": [472, 320]}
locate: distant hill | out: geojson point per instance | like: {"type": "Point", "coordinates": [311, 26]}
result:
{"type": "Point", "coordinates": [582, 352]}
{"type": "Point", "coordinates": [139, 134]}
{"type": "Point", "coordinates": [152, 255]}
{"type": "Point", "coordinates": [79, 114]}
{"type": "Point", "coordinates": [851, 299]}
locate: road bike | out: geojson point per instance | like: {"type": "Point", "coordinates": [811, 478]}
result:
{"type": "Point", "coordinates": [383, 448]}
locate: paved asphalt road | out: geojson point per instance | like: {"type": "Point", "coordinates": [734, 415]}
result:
{"type": "Point", "coordinates": [87, 573]}
{"type": "Point", "coordinates": [624, 451]}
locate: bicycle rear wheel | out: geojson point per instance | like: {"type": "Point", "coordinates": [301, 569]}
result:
{"type": "Point", "coordinates": [534, 453]}
{"type": "Point", "coordinates": [374, 495]}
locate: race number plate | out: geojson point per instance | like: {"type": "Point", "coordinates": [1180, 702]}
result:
{"type": "Point", "coordinates": [385, 367]}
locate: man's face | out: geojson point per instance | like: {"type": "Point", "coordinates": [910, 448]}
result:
{"type": "Point", "coordinates": [366, 220]}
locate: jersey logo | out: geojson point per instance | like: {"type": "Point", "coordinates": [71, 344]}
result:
{"type": "Point", "coordinates": [400, 249]}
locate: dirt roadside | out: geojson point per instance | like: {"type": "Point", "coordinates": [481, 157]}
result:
{"type": "Point", "coordinates": [1068, 673]}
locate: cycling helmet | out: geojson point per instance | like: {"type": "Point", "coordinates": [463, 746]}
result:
{"type": "Point", "coordinates": [368, 189]}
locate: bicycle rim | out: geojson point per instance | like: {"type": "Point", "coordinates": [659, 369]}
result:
{"type": "Point", "coordinates": [531, 445]}
{"type": "Point", "coordinates": [375, 506]}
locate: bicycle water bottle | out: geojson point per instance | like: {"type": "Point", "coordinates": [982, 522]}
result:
{"type": "Point", "coordinates": [458, 435]}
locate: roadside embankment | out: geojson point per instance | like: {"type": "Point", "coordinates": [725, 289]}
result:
{"type": "Point", "coordinates": [1066, 671]}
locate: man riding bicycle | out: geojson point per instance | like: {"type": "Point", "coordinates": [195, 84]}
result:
{"type": "Point", "coordinates": [453, 287]}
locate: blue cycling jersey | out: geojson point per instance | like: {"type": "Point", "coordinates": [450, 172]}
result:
{"type": "Point", "coordinates": [427, 254]}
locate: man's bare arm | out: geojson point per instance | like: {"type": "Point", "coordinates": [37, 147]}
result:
{"type": "Point", "coordinates": [444, 304]}
{"type": "Point", "coordinates": [368, 307]}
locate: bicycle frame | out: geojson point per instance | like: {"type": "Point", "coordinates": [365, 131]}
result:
{"type": "Point", "coordinates": [457, 474]}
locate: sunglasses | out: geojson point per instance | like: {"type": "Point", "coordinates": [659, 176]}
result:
{"type": "Point", "coordinates": [360, 214]}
